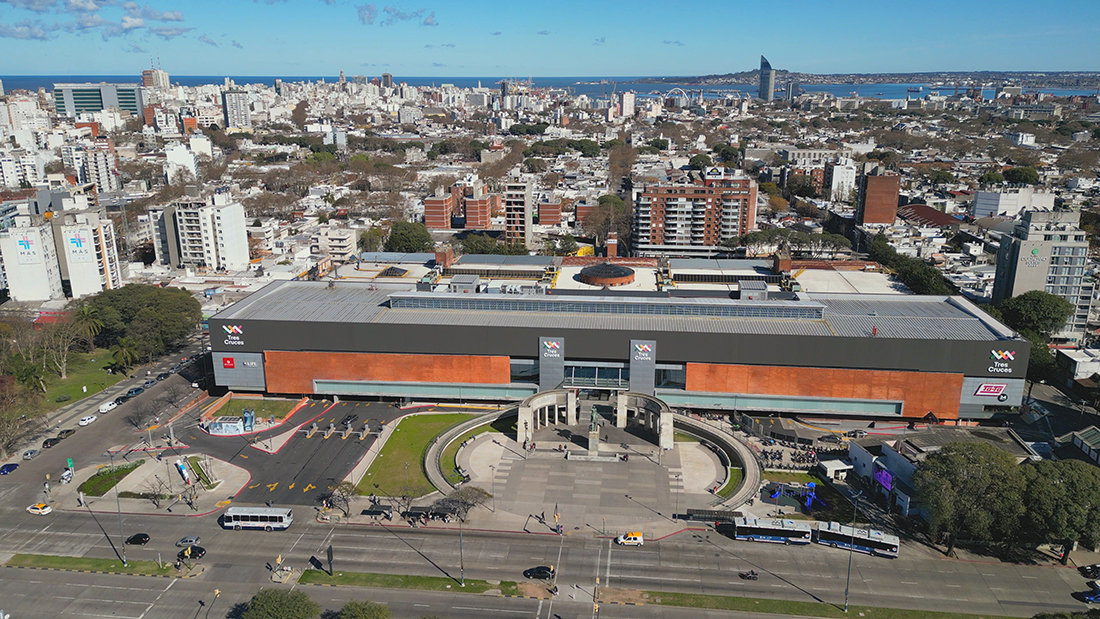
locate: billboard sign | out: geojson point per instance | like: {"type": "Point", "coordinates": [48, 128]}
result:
{"type": "Point", "coordinates": [551, 362]}
{"type": "Point", "coordinates": [643, 365]}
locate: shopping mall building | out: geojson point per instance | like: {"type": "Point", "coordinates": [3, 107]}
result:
{"type": "Point", "coordinates": [861, 355]}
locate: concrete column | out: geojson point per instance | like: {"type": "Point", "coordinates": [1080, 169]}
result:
{"type": "Point", "coordinates": [666, 438]}
{"type": "Point", "coordinates": [571, 408]}
{"type": "Point", "coordinates": [525, 424]}
{"type": "Point", "coordinates": [620, 410]}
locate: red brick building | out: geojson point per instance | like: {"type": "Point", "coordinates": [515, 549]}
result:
{"type": "Point", "coordinates": [549, 213]}
{"type": "Point", "coordinates": [705, 209]}
{"type": "Point", "coordinates": [438, 210]}
{"type": "Point", "coordinates": [877, 202]}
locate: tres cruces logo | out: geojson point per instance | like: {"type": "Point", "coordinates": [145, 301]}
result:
{"type": "Point", "coordinates": [233, 335]}
{"type": "Point", "coordinates": [1000, 360]}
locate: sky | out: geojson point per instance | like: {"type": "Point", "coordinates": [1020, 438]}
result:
{"type": "Point", "coordinates": [453, 38]}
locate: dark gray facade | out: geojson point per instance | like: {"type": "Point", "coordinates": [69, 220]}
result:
{"type": "Point", "coordinates": [994, 359]}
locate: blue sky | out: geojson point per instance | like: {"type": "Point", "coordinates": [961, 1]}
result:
{"type": "Point", "coordinates": [562, 38]}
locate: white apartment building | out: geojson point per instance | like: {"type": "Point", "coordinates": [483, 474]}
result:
{"type": "Point", "coordinates": [237, 113]}
{"type": "Point", "coordinates": [841, 181]}
{"type": "Point", "coordinates": [29, 257]}
{"type": "Point", "coordinates": [339, 243]}
{"type": "Point", "coordinates": [206, 232]}
{"type": "Point", "coordinates": [87, 256]}
{"type": "Point", "coordinates": [20, 169]}
{"type": "Point", "coordinates": [1020, 139]}
{"type": "Point", "coordinates": [1009, 201]}
{"type": "Point", "coordinates": [99, 168]}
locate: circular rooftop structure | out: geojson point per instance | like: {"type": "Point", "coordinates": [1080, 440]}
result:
{"type": "Point", "coordinates": [607, 274]}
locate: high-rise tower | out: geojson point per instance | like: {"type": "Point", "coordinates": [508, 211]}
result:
{"type": "Point", "coordinates": [767, 80]}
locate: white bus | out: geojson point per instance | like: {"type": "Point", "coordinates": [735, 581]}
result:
{"type": "Point", "coordinates": [874, 543]}
{"type": "Point", "coordinates": [778, 531]}
{"type": "Point", "coordinates": [266, 518]}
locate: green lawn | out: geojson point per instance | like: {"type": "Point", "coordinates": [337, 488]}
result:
{"type": "Point", "coordinates": [106, 478]}
{"type": "Point", "coordinates": [407, 446]}
{"type": "Point", "coordinates": [732, 484]}
{"type": "Point", "coordinates": [141, 568]}
{"type": "Point", "coordinates": [394, 581]}
{"type": "Point", "coordinates": [263, 408]}
{"type": "Point", "coordinates": [447, 459]}
{"type": "Point", "coordinates": [194, 461]}
{"type": "Point", "coordinates": [82, 372]}
{"type": "Point", "coordinates": [806, 609]}
{"type": "Point", "coordinates": [683, 437]}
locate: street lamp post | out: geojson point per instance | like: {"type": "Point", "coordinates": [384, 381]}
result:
{"type": "Point", "coordinates": [461, 557]}
{"type": "Point", "coordinates": [118, 507]}
{"type": "Point", "coordinates": [851, 545]}
{"type": "Point", "coordinates": [494, 482]}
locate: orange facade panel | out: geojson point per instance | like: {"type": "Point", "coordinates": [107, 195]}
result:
{"type": "Point", "coordinates": [294, 372]}
{"type": "Point", "coordinates": [920, 391]}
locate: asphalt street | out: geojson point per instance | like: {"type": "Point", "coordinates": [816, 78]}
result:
{"type": "Point", "coordinates": [687, 562]}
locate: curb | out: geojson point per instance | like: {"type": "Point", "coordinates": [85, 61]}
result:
{"type": "Point", "coordinates": [61, 569]}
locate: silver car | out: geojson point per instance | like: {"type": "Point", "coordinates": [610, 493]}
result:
{"type": "Point", "coordinates": [31, 454]}
{"type": "Point", "coordinates": [190, 540]}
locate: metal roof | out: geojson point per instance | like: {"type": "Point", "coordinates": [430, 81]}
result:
{"type": "Point", "coordinates": [469, 260]}
{"type": "Point", "coordinates": [886, 316]}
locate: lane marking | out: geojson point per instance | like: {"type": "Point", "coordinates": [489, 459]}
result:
{"type": "Point", "coordinates": [308, 488]}
{"type": "Point", "coordinates": [271, 487]}
{"type": "Point", "coordinates": [291, 486]}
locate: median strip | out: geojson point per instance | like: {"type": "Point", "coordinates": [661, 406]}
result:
{"type": "Point", "coordinates": [777, 607]}
{"type": "Point", "coordinates": [397, 581]}
{"type": "Point", "coordinates": [93, 565]}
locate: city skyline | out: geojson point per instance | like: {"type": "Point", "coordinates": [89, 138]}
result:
{"type": "Point", "coordinates": [303, 37]}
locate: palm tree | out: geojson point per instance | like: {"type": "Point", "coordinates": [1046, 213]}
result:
{"type": "Point", "coordinates": [87, 323]}
{"type": "Point", "coordinates": [125, 353]}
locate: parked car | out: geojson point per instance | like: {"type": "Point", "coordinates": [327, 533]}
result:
{"type": "Point", "coordinates": [50, 442]}
{"type": "Point", "coordinates": [149, 384]}
{"type": "Point", "coordinates": [830, 438]}
{"type": "Point", "coordinates": [197, 552]}
{"type": "Point", "coordinates": [8, 468]}
{"type": "Point", "coordinates": [122, 399]}
{"type": "Point", "coordinates": [107, 407]}
{"type": "Point", "coordinates": [1092, 596]}
{"type": "Point", "coordinates": [1090, 571]}
{"type": "Point", "coordinates": [541, 572]}
{"type": "Point", "coordinates": [66, 476]}
{"type": "Point", "coordinates": [350, 419]}
{"type": "Point", "coordinates": [857, 433]}
{"type": "Point", "coordinates": [31, 454]}
{"type": "Point", "coordinates": [86, 421]}
{"type": "Point", "coordinates": [630, 539]}
{"type": "Point", "coordinates": [39, 509]}
{"type": "Point", "coordinates": [162, 376]}
{"type": "Point", "coordinates": [135, 392]}
{"type": "Point", "coordinates": [138, 539]}
{"type": "Point", "coordinates": [190, 540]}
{"type": "Point", "coordinates": [66, 433]}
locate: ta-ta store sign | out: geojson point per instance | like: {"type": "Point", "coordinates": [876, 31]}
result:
{"type": "Point", "coordinates": [999, 361]}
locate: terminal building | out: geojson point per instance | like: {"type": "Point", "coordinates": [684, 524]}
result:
{"type": "Point", "coordinates": [747, 346]}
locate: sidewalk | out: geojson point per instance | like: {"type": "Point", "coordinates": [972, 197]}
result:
{"type": "Point", "coordinates": [154, 474]}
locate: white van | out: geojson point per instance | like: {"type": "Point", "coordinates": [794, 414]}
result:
{"type": "Point", "coordinates": [633, 538]}
{"type": "Point", "coordinates": [107, 407]}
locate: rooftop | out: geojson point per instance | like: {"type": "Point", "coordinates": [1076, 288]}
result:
{"type": "Point", "coordinates": [847, 315]}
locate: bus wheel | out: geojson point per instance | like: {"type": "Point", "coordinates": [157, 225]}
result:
{"type": "Point", "coordinates": [786, 542]}
{"type": "Point", "coordinates": [833, 545]}
{"type": "Point", "coordinates": [267, 528]}
{"type": "Point", "coordinates": [236, 527]}
{"type": "Point", "coordinates": [752, 539]}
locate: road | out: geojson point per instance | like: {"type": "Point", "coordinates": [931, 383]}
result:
{"type": "Point", "coordinates": [705, 563]}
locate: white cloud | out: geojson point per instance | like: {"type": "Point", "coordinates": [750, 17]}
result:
{"type": "Point", "coordinates": [89, 20]}
{"type": "Point", "coordinates": [26, 30]}
{"type": "Point", "coordinates": [430, 20]}
{"type": "Point", "coordinates": [208, 41]}
{"type": "Point", "coordinates": [169, 32]}
{"type": "Point", "coordinates": [367, 13]}
{"type": "Point", "coordinates": [38, 6]}
{"type": "Point", "coordinates": [129, 23]}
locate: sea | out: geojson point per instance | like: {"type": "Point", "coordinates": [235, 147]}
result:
{"type": "Point", "coordinates": [591, 86]}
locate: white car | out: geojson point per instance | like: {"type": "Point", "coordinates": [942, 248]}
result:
{"type": "Point", "coordinates": [107, 407]}
{"type": "Point", "coordinates": [86, 421]}
{"type": "Point", "coordinates": [39, 509]}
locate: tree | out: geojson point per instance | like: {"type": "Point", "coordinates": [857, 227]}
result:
{"type": "Point", "coordinates": [86, 322]}
{"type": "Point", "coordinates": [298, 116]}
{"type": "Point", "coordinates": [355, 609]}
{"type": "Point", "coordinates": [564, 246]}
{"type": "Point", "coordinates": [610, 215]}
{"type": "Point", "coordinates": [970, 491]}
{"type": "Point", "coordinates": [60, 338]}
{"type": "Point", "coordinates": [341, 496]}
{"type": "Point", "coordinates": [770, 188]}
{"type": "Point", "coordinates": [462, 500]}
{"type": "Point", "coordinates": [371, 240]}
{"type": "Point", "coordinates": [700, 161]}
{"type": "Point", "coordinates": [658, 143]}
{"type": "Point", "coordinates": [939, 177]}
{"type": "Point", "coordinates": [991, 177]}
{"type": "Point", "coordinates": [410, 238]}
{"type": "Point", "coordinates": [1037, 311]}
{"type": "Point", "coordinates": [281, 604]}
{"type": "Point", "coordinates": [125, 353]}
{"type": "Point", "coordinates": [1062, 501]}
{"type": "Point", "coordinates": [154, 318]}
{"type": "Point", "coordinates": [1022, 175]}
{"type": "Point", "coordinates": [534, 165]}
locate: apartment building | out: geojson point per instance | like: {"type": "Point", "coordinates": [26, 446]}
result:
{"type": "Point", "coordinates": [72, 99]}
{"type": "Point", "coordinates": [202, 231]}
{"type": "Point", "coordinates": [703, 210]}
{"type": "Point", "coordinates": [877, 200]}
{"type": "Point", "coordinates": [518, 213]}
{"type": "Point", "coordinates": [29, 257]}
{"type": "Point", "coordinates": [87, 252]}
